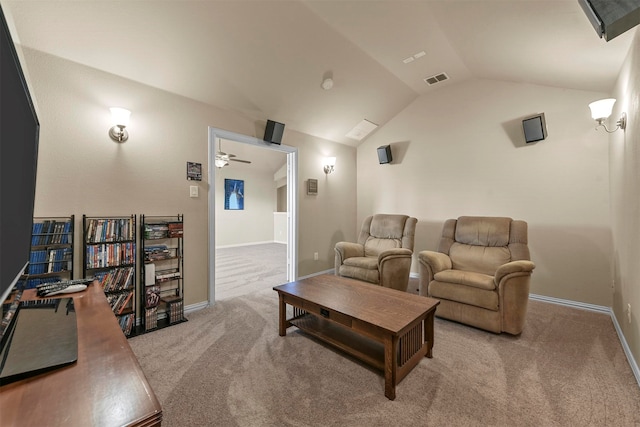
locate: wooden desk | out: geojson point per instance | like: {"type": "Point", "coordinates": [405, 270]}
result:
{"type": "Point", "coordinates": [105, 387]}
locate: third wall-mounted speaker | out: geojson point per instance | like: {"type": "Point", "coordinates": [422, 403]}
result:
{"type": "Point", "coordinates": [384, 154]}
{"type": "Point", "coordinates": [535, 128]}
{"type": "Point", "coordinates": [273, 132]}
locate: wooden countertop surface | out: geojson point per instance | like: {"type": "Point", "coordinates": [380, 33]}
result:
{"type": "Point", "coordinates": [105, 387]}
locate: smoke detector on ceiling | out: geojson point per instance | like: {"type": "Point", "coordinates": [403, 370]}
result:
{"type": "Point", "coordinates": [436, 79]}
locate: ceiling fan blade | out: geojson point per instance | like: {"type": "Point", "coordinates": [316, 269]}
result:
{"type": "Point", "coordinates": [240, 160]}
{"type": "Point", "coordinates": [232, 155]}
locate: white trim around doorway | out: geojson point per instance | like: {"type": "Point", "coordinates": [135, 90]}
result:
{"type": "Point", "coordinates": [292, 201]}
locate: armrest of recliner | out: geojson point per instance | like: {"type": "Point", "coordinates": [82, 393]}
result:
{"type": "Point", "coordinates": [429, 263]}
{"type": "Point", "coordinates": [346, 250]}
{"type": "Point", "coordinates": [394, 253]}
{"type": "Point", "coordinates": [513, 282]}
{"type": "Point", "coordinates": [520, 266]}
{"type": "Point", "coordinates": [394, 266]}
{"type": "Point", "coordinates": [436, 261]}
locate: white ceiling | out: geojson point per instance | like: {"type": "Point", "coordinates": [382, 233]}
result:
{"type": "Point", "coordinates": [266, 59]}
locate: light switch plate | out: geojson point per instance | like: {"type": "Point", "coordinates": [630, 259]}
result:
{"type": "Point", "coordinates": [193, 191]}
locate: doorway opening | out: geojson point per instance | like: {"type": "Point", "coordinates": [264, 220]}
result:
{"type": "Point", "coordinates": [218, 138]}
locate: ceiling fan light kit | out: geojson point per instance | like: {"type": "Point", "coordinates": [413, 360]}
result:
{"type": "Point", "coordinates": [222, 159]}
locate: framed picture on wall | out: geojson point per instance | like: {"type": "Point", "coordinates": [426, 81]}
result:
{"type": "Point", "coordinates": [233, 194]}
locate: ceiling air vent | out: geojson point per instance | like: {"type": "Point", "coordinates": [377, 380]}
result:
{"type": "Point", "coordinates": [436, 79]}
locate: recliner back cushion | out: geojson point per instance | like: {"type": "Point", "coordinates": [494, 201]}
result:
{"type": "Point", "coordinates": [385, 232]}
{"type": "Point", "coordinates": [374, 246]}
{"type": "Point", "coordinates": [481, 244]}
{"type": "Point", "coordinates": [480, 259]}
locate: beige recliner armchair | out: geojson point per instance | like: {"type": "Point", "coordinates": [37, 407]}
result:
{"type": "Point", "coordinates": [383, 253]}
{"type": "Point", "coordinates": [480, 273]}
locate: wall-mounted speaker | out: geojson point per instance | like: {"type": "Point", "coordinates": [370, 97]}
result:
{"type": "Point", "coordinates": [535, 128]}
{"type": "Point", "coordinates": [384, 154]}
{"type": "Point", "coordinates": [273, 132]}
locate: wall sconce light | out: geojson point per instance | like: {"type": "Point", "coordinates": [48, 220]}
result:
{"type": "Point", "coordinates": [329, 164]}
{"type": "Point", "coordinates": [601, 110]}
{"type": "Point", "coordinates": [120, 119]}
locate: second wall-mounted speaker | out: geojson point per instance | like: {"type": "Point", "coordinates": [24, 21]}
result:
{"type": "Point", "coordinates": [273, 132]}
{"type": "Point", "coordinates": [384, 154]}
{"type": "Point", "coordinates": [535, 128]}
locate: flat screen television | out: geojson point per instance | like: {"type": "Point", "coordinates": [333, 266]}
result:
{"type": "Point", "coordinates": [19, 133]}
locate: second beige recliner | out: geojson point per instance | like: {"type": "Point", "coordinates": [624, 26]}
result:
{"type": "Point", "coordinates": [382, 254]}
{"type": "Point", "coordinates": [480, 273]}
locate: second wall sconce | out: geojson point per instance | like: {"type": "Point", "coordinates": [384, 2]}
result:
{"type": "Point", "coordinates": [120, 120]}
{"type": "Point", "coordinates": [601, 110]}
{"type": "Point", "coordinates": [329, 164]}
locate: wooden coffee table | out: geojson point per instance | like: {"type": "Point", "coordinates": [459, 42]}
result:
{"type": "Point", "coordinates": [387, 329]}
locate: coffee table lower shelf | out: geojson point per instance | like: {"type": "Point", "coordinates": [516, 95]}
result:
{"type": "Point", "coordinates": [362, 348]}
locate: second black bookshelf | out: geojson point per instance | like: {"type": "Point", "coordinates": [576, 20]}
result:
{"type": "Point", "coordinates": [109, 255]}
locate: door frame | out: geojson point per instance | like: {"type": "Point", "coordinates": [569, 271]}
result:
{"type": "Point", "coordinates": [292, 201]}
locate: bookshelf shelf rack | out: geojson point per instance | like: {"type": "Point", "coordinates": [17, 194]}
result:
{"type": "Point", "coordinates": [109, 255]}
{"type": "Point", "coordinates": [161, 252]}
{"type": "Point", "coordinates": [51, 257]}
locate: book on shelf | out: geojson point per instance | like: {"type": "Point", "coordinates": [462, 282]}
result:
{"type": "Point", "coordinates": [50, 232]}
{"type": "Point", "coordinates": [152, 296]}
{"type": "Point", "coordinates": [119, 302]}
{"type": "Point", "coordinates": [117, 279]}
{"type": "Point", "coordinates": [150, 318]}
{"type": "Point", "coordinates": [174, 308]}
{"type": "Point", "coordinates": [110, 254]}
{"type": "Point", "coordinates": [108, 230]}
{"type": "Point", "coordinates": [166, 275]}
{"type": "Point", "coordinates": [149, 274]}
{"type": "Point", "coordinates": [155, 231]}
{"type": "Point", "coordinates": [159, 252]}
{"type": "Point", "coordinates": [175, 229]}
{"type": "Point", "coordinates": [126, 323]}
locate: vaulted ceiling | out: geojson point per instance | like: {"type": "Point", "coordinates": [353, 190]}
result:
{"type": "Point", "coordinates": [267, 59]}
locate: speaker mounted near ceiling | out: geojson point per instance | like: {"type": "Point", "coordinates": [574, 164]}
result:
{"type": "Point", "coordinates": [273, 132]}
{"type": "Point", "coordinates": [384, 154]}
{"type": "Point", "coordinates": [535, 128]}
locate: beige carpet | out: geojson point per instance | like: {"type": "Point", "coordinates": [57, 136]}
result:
{"type": "Point", "coordinates": [227, 366]}
{"type": "Point", "coordinates": [244, 270]}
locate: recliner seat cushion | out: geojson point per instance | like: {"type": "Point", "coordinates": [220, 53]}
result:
{"type": "Point", "coordinates": [468, 278]}
{"type": "Point", "coordinates": [470, 295]}
{"type": "Point", "coordinates": [361, 268]}
{"type": "Point", "coordinates": [368, 263]}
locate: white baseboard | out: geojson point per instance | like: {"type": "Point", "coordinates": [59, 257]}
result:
{"type": "Point", "coordinates": [249, 244]}
{"type": "Point", "coordinates": [195, 307]}
{"type": "Point", "coordinates": [598, 309]}
{"type": "Point", "coordinates": [329, 271]}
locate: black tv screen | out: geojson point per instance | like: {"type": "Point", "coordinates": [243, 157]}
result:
{"type": "Point", "coordinates": [19, 132]}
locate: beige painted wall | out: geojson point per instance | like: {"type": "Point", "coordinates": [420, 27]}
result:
{"type": "Point", "coordinates": [81, 171]}
{"type": "Point", "coordinates": [254, 223]}
{"type": "Point", "coordinates": [460, 151]}
{"type": "Point", "coordinates": [624, 160]}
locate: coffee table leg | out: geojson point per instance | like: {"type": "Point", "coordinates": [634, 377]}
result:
{"type": "Point", "coordinates": [282, 320]}
{"type": "Point", "coordinates": [390, 366]}
{"type": "Point", "coordinates": [428, 332]}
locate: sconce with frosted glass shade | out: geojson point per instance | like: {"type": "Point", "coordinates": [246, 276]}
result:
{"type": "Point", "coordinates": [329, 164]}
{"type": "Point", "coordinates": [601, 110]}
{"type": "Point", "coordinates": [120, 120]}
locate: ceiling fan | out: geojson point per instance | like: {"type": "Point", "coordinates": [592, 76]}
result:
{"type": "Point", "coordinates": [222, 159]}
